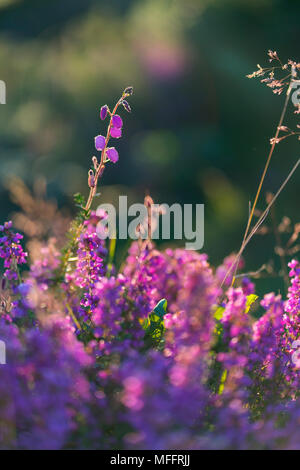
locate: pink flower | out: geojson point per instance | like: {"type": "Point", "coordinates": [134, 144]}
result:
{"type": "Point", "coordinates": [103, 112]}
{"type": "Point", "coordinates": [117, 121]}
{"type": "Point", "coordinates": [112, 154]}
{"type": "Point", "coordinates": [99, 142]}
{"type": "Point", "coordinates": [116, 132]}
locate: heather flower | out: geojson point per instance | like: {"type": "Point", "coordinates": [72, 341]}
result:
{"type": "Point", "coordinates": [11, 251]}
{"type": "Point", "coordinates": [43, 269]}
{"type": "Point", "coordinates": [247, 286]}
{"type": "Point", "coordinates": [42, 387]}
{"type": "Point", "coordinates": [117, 121]}
{"type": "Point", "coordinates": [117, 308]}
{"type": "Point", "coordinates": [100, 142]}
{"type": "Point", "coordinates": [272, 372]}
{"type": "Point", "coordinates": [236, 332]}
{"type": "Point", "coordinates": [112, 154]}
{"type": "Point", "coordinates": [162, 414]}
{"type": "Point", "coordinates": [293, 302]}
{"type": "Point", "coordinates": [116, 132]}
{"type": "Point", "coordinates": [194, 318]}
{"type": "Point", "coordinates": [155, 356]}
{"type": "Point", "coordinates": [91, 253]}
{"type": "Point", "coordinates": [103, 112]}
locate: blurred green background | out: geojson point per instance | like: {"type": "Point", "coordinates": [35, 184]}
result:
{"type": "Point", "coordinates": [199, 130]}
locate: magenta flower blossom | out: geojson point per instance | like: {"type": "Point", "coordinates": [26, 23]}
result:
{"type": "Point", "coordinates": [116, 132]}
{"type": "Point", "coordinates": [117, 121]}
{"type": "Point", "coordinates": [11, 251]}
{"type": "Point", "coordinates": [91, 253]}
{"type": "Point", "coordinates": [99, 142]}
{"type": "Point", "coordinates": [43, 386]}
{"type": "Point", "coordinates": [112, 154]}
{"type": "Point", "coordinates": [103, 112]}
{"type": "Point", "coordinates": [293, 302]}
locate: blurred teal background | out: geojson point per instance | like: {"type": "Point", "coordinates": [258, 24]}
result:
{"type": "Point", "coordinates": [199, 130]}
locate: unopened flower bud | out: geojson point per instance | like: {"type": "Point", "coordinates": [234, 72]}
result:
{"type": "Point", "coordinates": [103, 112]}
{"type": "Point", "coordinates": [128, 91]}
{"type": "Point", "coordinates": [138, 230]}
{"type": "Point", "coordinates": [91, 179]}
{"type": "Point", "coordinates": [126, 105]}
{"type": "Point", "coordinates": [95, 162]}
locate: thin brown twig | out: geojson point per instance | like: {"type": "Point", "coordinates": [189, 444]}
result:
{"type": "Point", "coordinates": [262, 218]}
{"type": "Point", "coordinates": [236, 262]}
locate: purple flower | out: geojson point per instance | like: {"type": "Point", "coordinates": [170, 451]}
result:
{"type": "Point", "coordinates": [99, 142]}
{"type": "Point", "coordinates": [11, 251]}
{"type": "Point", "coordinates": [293, 302]}
{"type": "Point", "coordinates": [117, 121]}
{"type": "Point", "coordinates": [92, 363]}
{"type": "Point", "coordinates": [91, 252]}
{"type": "Point", "coordinates": [43, 386]}
{"type": "Point", "coordinates": [103, 112]}
{"type": "Point", "coordinates": [116, 132]}
{"type": "Point", "coordinates": [112, 154]}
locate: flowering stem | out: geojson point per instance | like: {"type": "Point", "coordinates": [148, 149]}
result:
{"type": "Point", "coordinates": [100, 168]}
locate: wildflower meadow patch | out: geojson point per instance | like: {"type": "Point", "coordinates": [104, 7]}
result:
{"type": "Point", "coordinates": [162, 350]}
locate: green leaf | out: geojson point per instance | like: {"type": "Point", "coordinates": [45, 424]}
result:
{"type": "Point", "coordinates": [219, 313]}
{"type": "Point", "coordinates": [161, 308]}
{"type": "Point", "coordinates": [154, 324]}
{"type": "Point", "coordinates": [222, 382]}
{"type": "Point", "coordinates": [250, 300]}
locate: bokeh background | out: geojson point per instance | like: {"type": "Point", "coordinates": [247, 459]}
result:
{"type": "Point", "coordinates": [199, 130]}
